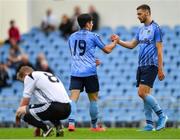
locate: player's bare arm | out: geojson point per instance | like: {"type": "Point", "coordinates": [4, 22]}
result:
{"type": "Point", "coordinates": [161, 75]}
{"type": "Point", "coordinates": [127, 44]}
{"type": "Point", "coordinates": [22, 109]}
{"type": "Point", "coordinates": [108, 48]}
{"type": "Point", "coordinates": [24, 102]}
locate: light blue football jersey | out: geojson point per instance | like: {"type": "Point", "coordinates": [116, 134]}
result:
{"type": "Point", "coordinates": [82, 46]}
{"type": "Point", "coordinates": [147, 37]}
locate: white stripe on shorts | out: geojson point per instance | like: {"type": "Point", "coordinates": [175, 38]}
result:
{"type": "Point", "coordinates": [34, 111]}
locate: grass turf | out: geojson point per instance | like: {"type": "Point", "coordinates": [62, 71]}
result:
{"type": "Point", "coordinates": [85, 133]}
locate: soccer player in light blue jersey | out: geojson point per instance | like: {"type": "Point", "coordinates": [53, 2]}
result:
{"type": "Point", "coordinates": [149, 39]}
{"type": "Point", "coordinates": [83, 68]}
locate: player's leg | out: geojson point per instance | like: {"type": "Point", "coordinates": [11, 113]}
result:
{"type": "Point", "coordinates": [92, 88]}
{"type": "Point", "coordinates": [57, 112]}
{"type": "Point", "coordinates": [93, 108]}
{"type": "Point", "coordinates": [148, 75]}
{"type": "Point", "coordinates": [37, 132]}
{"type": "Point", "coordinates": [74, 98]}
{"type": "Point", "coordinates": [143, 91]}
{"type": "Point", "coordinates": [33, 119]}
{"type": "Point", "coordinates": [30, 119]}
{"type": "Point", "coordinates": [59, 128]}
{"type": "Point", "coordinates": [147, 109]}
{"type": "Point", "coordinates": [149, 116]}
{"type": "Point", "coordinates": [152, 102]}
{"type": "Point", "coordinates": [76, 86]}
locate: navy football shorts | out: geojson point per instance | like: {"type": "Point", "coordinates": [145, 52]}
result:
{"type": "Point", "coordinates": [146, 75]}
{"type": "Point", "coordinates": [90, 83]}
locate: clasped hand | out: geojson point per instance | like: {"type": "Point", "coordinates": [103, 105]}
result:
{"type": "Point", "coordinates": [115, 37]}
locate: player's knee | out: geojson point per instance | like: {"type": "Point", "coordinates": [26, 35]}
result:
{"type": "Point", "coordinates": [93, 98]}
{"type": "Point", "coordinates": [141, 94]}
{"type": "Point", "coordinates": [74, 96]}
{"type": "Point", "coordinates": [143, 91]}
{"type": "Point", "coordinates": [27, 117]}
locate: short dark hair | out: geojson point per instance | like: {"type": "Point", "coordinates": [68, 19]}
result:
{"type": "Point", "coordinates": [12, 22]}
{"type": "Point", "coordinates": [144, 7]}
{"type": "Point", "coordinates": [83, 19]}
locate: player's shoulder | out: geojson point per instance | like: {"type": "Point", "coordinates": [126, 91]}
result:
{"type": "Point", "coordinates": [72, 35]}
{"type": "Point", "coordinates": [155, 25]}
{"type": "Point", "coordinates": [140, 28]}
{"type": "Point", "coordinates": [95, 34]}
{"type": "Point", "coordinates": [34, 75]}
{"type": "Point", "coordinates": [87, 32]}
{"type": "Point", "coordinates": [29, 78]}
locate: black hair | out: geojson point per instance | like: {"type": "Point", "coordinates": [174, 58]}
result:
{"type": "Point", "coordinates": [83, 19]}
{"type": "Point", "coordinates": [12, 22]}
{"type": "Point", "coordinates": [144, 7]}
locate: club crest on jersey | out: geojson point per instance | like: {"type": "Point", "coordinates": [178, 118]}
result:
{"type": "Point", "coordinates": [149, 31]}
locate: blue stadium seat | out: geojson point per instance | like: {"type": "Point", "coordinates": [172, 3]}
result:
{"type": "Point", "coordinates": [7, 92]}
{"type": "Point", "coordinates": [166, 29]}
{"type": "Point", "coordinates": [134, 30]}
{"type": "Point", "coordinates": [105, 31]}
{"type": "Point", "coordinates": [121, 30]}
{"type": "Point", "coordinates": [177, 30]}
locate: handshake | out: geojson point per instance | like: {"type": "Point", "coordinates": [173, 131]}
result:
{"type": "Point", "coordinates": [115, 38]}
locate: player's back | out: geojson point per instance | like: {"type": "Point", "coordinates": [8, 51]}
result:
{"type": "Point", "coordinates": [46, 87]}
{"type": "Point", "coordinates": [82, 46]}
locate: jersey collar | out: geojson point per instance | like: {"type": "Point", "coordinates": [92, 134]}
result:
{"type": "Point", "coordinates": [149, 24]}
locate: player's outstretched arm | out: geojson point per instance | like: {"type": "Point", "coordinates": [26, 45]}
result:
{"type": "Point", "coordinates": [108, 48]}
{"type": "Point", "coordinates": [127, 44]}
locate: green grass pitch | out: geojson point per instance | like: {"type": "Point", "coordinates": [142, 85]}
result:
{"type": "Point", "coordinates": [85, 133]}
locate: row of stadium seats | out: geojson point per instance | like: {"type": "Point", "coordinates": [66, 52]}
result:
{"type": "Point", "coordinates": [117, 75]}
